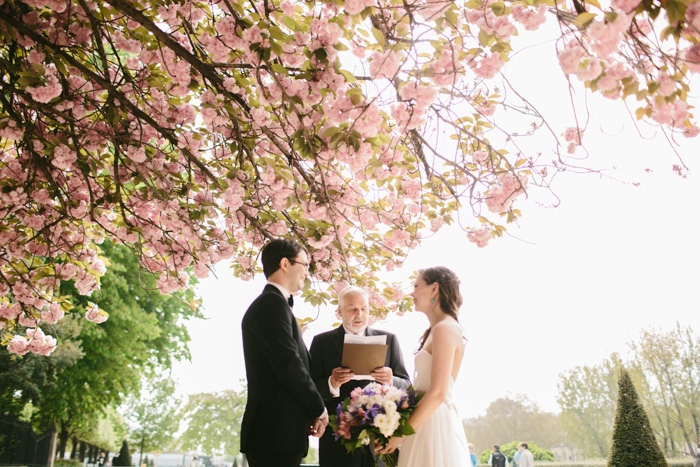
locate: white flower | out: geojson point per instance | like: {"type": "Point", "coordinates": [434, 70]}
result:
{"type": "Point", "coordinates": [387, 424]}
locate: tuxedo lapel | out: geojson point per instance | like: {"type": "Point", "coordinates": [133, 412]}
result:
{"type": "Point", "coordinates": [338, 340]}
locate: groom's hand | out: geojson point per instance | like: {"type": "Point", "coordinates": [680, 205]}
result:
{"type": "Point", "coordinates": [319, 425]}
{"type": "Point", "coordinates": [383, 375]}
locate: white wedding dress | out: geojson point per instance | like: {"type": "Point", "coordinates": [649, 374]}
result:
{"type": "Point", "coordinates": [440, 441]}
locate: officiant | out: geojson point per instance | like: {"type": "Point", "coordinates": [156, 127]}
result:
{"type": "Point", "coordinates": [334, 382]}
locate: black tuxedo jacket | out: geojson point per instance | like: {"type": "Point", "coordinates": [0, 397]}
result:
{"type": "Point", "coordinates": [326, 354]}
{"type": "Point", "coordinates": [282, 397]}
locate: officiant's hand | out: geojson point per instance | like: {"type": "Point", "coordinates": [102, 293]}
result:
{"type": "Point", "coordinates": [383, 375]}
{"type": "Point", "coordinates": [340, 376]}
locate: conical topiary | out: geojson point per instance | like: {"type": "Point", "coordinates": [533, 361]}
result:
{"type": "Point", "coordinates": [124, 457]}
{"type": "Point", "coordinates": [633, 442]}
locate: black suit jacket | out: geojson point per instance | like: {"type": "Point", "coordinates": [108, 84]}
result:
{"type": "Point", "coordinates": [326, 354]}
{"type": "Point", "coordinates": [282, 398]}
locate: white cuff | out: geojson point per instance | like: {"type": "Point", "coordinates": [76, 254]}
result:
{"type": "Point", "coordinates": [334, 392]}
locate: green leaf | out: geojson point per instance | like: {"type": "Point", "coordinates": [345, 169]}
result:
{"type": "Point", "coordinates": [379, 36]}
{"type": "Point", "coordinates": [290, 23]}
{"type": "Point", "coordinates": [584, 19]}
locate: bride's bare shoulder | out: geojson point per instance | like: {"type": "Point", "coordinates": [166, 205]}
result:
{"type": "Point", "coordinates": [448, 327]}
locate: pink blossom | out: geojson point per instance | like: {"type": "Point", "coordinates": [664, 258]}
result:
{"type": "Point", "coordinates": [480, 236]}
{"type": "Point", "coordinates": [27, 320]}
{"type": "Point", "coordinates": [53, 314]}
{"type": "Point", "coordinates": [692, 57]}
{"type": "Point", "coordinates": [691, 132]}
{"type": "Point", "coordinates": [500, 197]}
{"type": "Point", "coordinates": [625, 5]}
{"type": "Point", "coordinates": [18, 345]}
{"type": "Point", "coordinates": [570, 58]}
{"type": "Point", "coordinates": [436, 223]}
{"type": "Point", "coordinates": [573, 135]}
{"type": "Point", "coordinates": [589, 69]}
{"type": "Point", "coordinates": [528, 17]}
{"type": "Point", "coordinates": [480, 157]}
{"type": "Point", "coordinates": [40, 343]}
{"type": "Point", "coordinates": [355, 7]}
{"type": "Point", "coordinates": [63, 157]}
{"type": "Point", "coordinates": [607, 35]}
{"type": "Point", "coordinates": [47, 92]}
{"type": "Point", "coordinates": [10, 311]}
{"type": "Point", "coordinates": [287, 7]}
{"type": "Point", "coordinates": [667, 85]}
{"type": "Point", "coordinates": [95, 315]}
{"type": "Point", "coordinates": [385, 64]}
{"type": "Point", "coordinates": [486, 109]}
{"type": "Point", "coordinates": [488, 66]}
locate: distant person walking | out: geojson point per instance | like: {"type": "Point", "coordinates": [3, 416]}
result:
{"type": "Point", "coordinates": [526, 459]}
{"type": "Point", "coordinates": [472, 455]}
{"type": "Point", "coordinates": [516, 458]}
{"type": "Point", "coordinates": [497, 458]}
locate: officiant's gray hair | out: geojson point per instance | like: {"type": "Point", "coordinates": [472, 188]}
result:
{"type": "Point", "coordinates": [350, 289]}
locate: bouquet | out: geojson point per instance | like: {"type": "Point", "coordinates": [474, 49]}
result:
{"type": "Point", "coordinates": [371, 415]}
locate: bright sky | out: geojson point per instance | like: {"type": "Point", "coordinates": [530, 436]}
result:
{"type": "Point", "coordinates": [573, 285]}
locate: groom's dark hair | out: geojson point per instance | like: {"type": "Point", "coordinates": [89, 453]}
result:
{"type": "Point", "coordinates": [275, 250]}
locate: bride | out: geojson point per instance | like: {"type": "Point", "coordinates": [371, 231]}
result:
{"type": "Point", "coordinates": [439, 440]}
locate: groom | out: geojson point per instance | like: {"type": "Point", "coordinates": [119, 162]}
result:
{"type": "Point", "coordinates": [283, 406]}
{"type": "Point", "coordinates": [335, 382]}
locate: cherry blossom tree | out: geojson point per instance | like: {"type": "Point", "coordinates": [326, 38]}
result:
{"type": "Point", "coordinates": [194, 131]}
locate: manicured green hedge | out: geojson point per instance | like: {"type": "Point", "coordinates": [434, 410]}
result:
{"type": "Point", "coordinates": [67, 463]}
{"type": "Point", "coordinates": [671, 463]}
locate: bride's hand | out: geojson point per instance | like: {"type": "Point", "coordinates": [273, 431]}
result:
{"type": "Point", "coordinates": [391, 446]}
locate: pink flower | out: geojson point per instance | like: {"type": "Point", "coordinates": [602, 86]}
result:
{"type": "Point", "coordinates": [573, 134]}
{"type": "Point", "coordinates": [489, 66]}
{"type": "Point", "coordinates": [385, 64]}
{"type": "Point", "coordinates": [480, 236]}
{"type": "Point", "coordinates": [95, 315]}
{"type": "Point", "coordinates": [692, 57]}
{"type": "Point", "coordinates": [625, 5]}
{"type": "Point", "coordinates": [18, 345]}
{"type": "Point", "coordinates": [47, 92]}
{"type": "Point", "coordinates": [531, 19]}
{"type": "Point", "coordinates": [53, 314]}
{"type": "Point", "coordinates": [570, 58]}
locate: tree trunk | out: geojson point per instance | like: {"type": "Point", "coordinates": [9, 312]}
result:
{"type": "Point", "coordinates": [62, 443]}
{"type": "Point", "coordinates": [74, 448]}
{"type": "Point", "coordinates": [143, 440]}
{"type": "Point", "coordinates": [82, 450]}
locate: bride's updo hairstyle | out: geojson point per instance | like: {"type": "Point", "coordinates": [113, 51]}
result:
{"type": "Point", "coordinates": [448, 288]}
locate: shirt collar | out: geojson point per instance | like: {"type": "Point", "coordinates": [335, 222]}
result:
{"type": "Point", "coordinates": [347, 331]}
{"type": "Point", "coordinates": [284, 291]}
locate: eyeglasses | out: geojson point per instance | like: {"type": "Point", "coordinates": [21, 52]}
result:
{"type": "Point", "coordinates": [306, 265]}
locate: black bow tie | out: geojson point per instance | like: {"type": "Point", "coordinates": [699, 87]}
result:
{"type": "Point", "coordinates": [290, 300]}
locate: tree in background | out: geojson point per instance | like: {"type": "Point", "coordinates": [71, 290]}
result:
{"type": "Point", "coordinates": [667, 364]}
{"type": "Point", "coordinates": [194, 131]}
{"type": "Point", "coordinates": [153, 414]}
{"type": "Point", "coordinates": [213, 421]}
{"type": "Point", "coordinates": [664, 367]}
{"type": "Point", "coordinates": [509, 419]}
{"type": "Point", "coordinates": [586, 397]}
{"type": "Point", "coordinates": [633, 442]}
{"type": "Point", "coordinates": [124, 457]}
{"type": "Point", "coordinates": [100, 365]}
